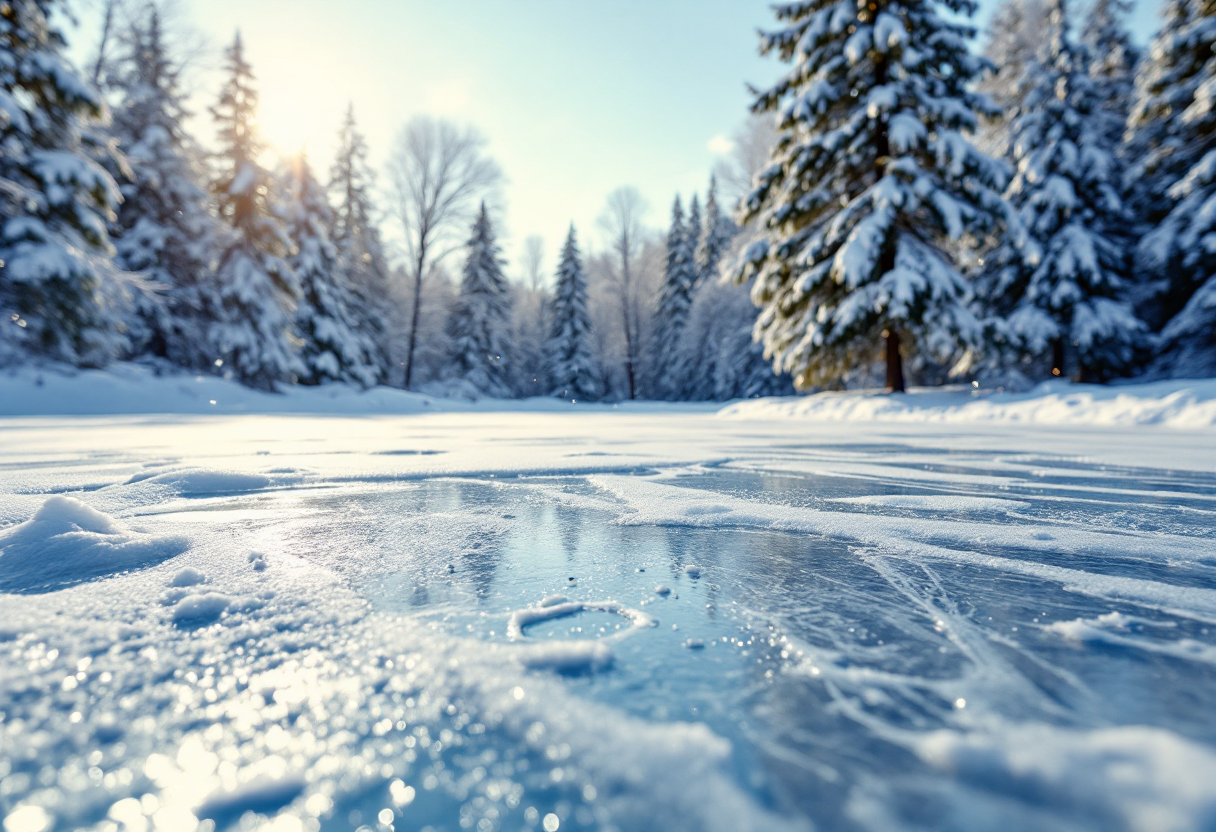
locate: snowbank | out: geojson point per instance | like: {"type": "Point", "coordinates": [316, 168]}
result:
{"type": "Point", "coordinates": [136, 389]}
{"type": "Point", "coordinates": [1176, 404]}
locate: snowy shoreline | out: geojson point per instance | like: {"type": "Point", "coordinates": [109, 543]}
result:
{"type": "Point", "coordinates": [130, 389]}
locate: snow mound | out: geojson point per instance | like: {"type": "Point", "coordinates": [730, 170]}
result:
{"type": "Point", "coordinates": [197, 610]}
{"type": "Point", "coordinates": [66, 542]}
{"type": "Point", "coordinates": [202, 481]}
{"type": "Point", "coordinates": [1175, 404]}
{"type": "Point", "coordinates": [1137, 778]}
{"type": "Point", "coordinates": [188, 577]}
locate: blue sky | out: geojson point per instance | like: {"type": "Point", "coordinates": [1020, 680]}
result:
{"type": "Point", "coordinates": [577, 97]}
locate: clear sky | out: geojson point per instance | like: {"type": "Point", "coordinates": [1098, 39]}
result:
{"type": "Point", "coordinates": [576, 97]}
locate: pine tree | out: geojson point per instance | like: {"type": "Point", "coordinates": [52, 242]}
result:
{"type": "Point", "coordinates": [675, 299]}
{"type": "Point", "coordinates": [57, 283]}
{"type": "Point", "coordinates": [693, 229]}
{"type": "Point", "coordinates": [1173, 139]}
{"type": "Point", "coordinates": [355, 232]}
{"type": "Point", "coordinates": [872, 180]}
{"type": "Point", "coordinates": [357, 237]}
{"type": "Point", "coordinates": [478, 325]}
{"type": "Point", "coordinates": [1015, 33]}
{"type": "Point", "coordinates": [1113, 61]}
{"type": "Point", "coordinates": [572, 362]}
{"type": "Point", "coordinates": [717, 231]}
{"type": "Point", "coordinates": [256, 290]}
{"type": "Point", "coordinates": [164, 228]}
{"type": "Point", "coordinates": [717, 356]}
{"type": "Point", "coordinates": [1061, 285]}
{"type": "Point", "coordinates": [334, 348]}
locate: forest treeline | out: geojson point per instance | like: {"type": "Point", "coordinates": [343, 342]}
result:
{"type": "Point", "coordinates": [897, 209]}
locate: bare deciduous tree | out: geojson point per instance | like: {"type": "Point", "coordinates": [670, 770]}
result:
{"type": "Point", "coordinates": [753, 146]}
{"type": "Point", "coordinates": [111, 10]}
{"type": "Point", "coordinates": [621, 221]}
{"type": "Point", "coordinates": [532, 260]}
{"type": "Point", "coordinates": [438, 172]}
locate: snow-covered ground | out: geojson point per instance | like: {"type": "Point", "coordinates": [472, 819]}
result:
{"type": "Point", "coordinates": [834, 613]}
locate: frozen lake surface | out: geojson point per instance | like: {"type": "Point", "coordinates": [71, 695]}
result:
{"type": "Point", "coordinates": [604, 621]}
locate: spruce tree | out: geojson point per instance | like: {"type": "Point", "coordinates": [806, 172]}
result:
{"type": "Point", "coordinates": [717, 231]}
{"type": "Point", "coordinates": [1060, 287]}
{"type": "Point", "coordinates": [164, 228]}
{"type": "Point", "coordinates": [256, 289]}
{"type": "Point", "coordinates": [872, 183]}
{"type": "Point", "coordinates": [1173, 139]}
{"type": "Point", "coordinates": [693, 229]}
{"type": "Point", "coordinates": [675, 300]}
{"type": "Point", "coordinates": [1014, 35]}
{"type": "Point", "coordinates": [1113, 59]}
{"type": "Point", "coordinates": [334, 346]}
{"type": "Point", "coordinates": [572, 361]}
{"type": "Point", "coordinates": [356, 234]}
{"type": "Point", "coordinates": [717, 357]}
{"type": "Point", "coordinates": [478, 326]}
{"type": "Point", "coordinates": [57, 284]}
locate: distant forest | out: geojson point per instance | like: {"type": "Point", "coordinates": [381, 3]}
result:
{"type": "Point", "coordinates": [909, 203]}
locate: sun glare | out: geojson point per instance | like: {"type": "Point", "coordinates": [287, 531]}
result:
{"type": "Point", "coordinates": [290, 125]}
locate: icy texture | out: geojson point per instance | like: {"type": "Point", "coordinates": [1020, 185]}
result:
{"type": "Point", "coordinates": [955, 627]}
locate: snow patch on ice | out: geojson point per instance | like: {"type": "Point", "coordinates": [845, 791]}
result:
{"type": "Point", "coordinates": [67, 542]}
{"type": "Point", "coordinates": [568, 657]}
{"type": "Point", "coordinates": [935, 502]}
{"type": "Point", "coordinates": [201, 481]}
{"type": "Point", "coordinates": [1137, 778]}
{"type": "Point", "coordinates": [522, 619]}
{"type": "Point", "coordinates": [1118, 630]}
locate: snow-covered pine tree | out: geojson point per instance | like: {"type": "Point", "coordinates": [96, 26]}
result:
{"type": "Point", "coordinates": [572, 361]}
{"type": "Point", "coordinates": [256, 290]}
{"type": "Point", "coordinates": [1060, 287]}
{"type": "Point", "coordinates": [1014, 34]}
{"type": "Point", "coordinates": [164, 228]}
{"type": "Point", "coordinates": [1173, 138]}
{"type": "Point", "coordinates": [1112, 64]}
{"type": "Point", "coordinates": [355, 231]}
{"type": "Point", "coordinates": [56, 276]}
{"type": "Point", "coordinates": [356, 234]}
{"type": "Point", "coordinates": [335, 348]}
{"type": "Point", "coordinates": [675, 300]}
{"type": "Point", "coordinates": [717, 231]}
{"type": "Point", "coordinates": [693, 228]}
{"type": "Point", "coordinates": [871, 181]}
{"type": "Point", "coordinates": [717, 357]}
{"type": "Point", "coordinates": [478, 325]}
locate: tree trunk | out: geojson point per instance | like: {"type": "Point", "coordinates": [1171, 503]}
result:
{"type": "Point", "coordinates": [882, 149]}
{"type": "Point", "coordinates": [409, 353]}
{"type": "Point", "coordinates": [895, 363]}
{"type": "Point", "coordinates": [1057, 358]}
{"type": "Point", "coordinates": [626, 302]}
{"type": "Point", "coordinates": [629, 359]}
